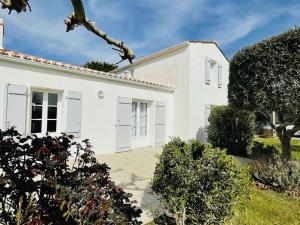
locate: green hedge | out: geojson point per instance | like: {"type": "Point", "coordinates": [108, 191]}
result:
{"type": "Point", "coordinates": [265, 77]}
{"type": "Point", "coordinates": [197, 184]}
{"type": "Point", "coordinates": [231, 129]}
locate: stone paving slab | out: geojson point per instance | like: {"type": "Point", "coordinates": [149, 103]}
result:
{"type": "Point", "coordinates": [133, 170]}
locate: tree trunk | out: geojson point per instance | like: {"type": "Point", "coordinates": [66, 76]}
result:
{"type": "Point", "coordinates": [286, 148]}
{"type": "Point", "coordinates": [285, 140]}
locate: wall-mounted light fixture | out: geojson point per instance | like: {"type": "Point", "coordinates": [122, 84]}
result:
{"type": "Point", "coordinates": [100, 94]}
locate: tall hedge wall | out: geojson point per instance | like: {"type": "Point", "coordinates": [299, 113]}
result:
{"type": "Point", "coordinates": [265, 77]}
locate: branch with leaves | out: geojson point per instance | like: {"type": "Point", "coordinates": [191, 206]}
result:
{"type": "Point", "coordinates": [76, 19]}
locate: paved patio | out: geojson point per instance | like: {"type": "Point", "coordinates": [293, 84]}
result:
{"type": "Point", "coordinates": [133, 170]}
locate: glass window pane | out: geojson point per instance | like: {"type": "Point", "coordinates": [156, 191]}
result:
{"type": "Point", "coordinates": [52, 112]}
{"type": "Point", "coordinates": [52, 99]}
{"type": "Point", "coordinates": [133, 131]}
{"type": "Point", "coordinates": [143, 130]}
{"type": "Point", "coordinates": [143, 114]}
{"type": "Point", "coordinates": [36, 126]}
{"type": "Point", "coordinates": [143, 119]}
{"type": "Point", "coordinates": [37, 98]}
{"type": "Point", "coordinates": [51, 126]}
{"type": "Point", "coordinates": [133, 118]}
{"type": "Point", "coordinates": [37, 112]}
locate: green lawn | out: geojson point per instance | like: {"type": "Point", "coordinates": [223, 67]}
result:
{"type": "Point", "coordinates": [295, 145]}
{"type": "Point", "coordinates": [267, 208]}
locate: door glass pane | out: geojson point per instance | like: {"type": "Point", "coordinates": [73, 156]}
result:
{"type": "Point", "coordinates": [36, 126]}
{"type": "Point", "coordinates": [37, 98]}
{"type": "Point", "coordinates": [143, 119]}
{"type": "Point", "coordinates": [133, 119]}
{"type": "Point", "coordinates": [51, 126]}
{"type": "Point", "coordinates": [52, 112]}
{"type": "Point", "coordinates": [37, 112]}
{"type": "Point", "coordinates": [52, 99]}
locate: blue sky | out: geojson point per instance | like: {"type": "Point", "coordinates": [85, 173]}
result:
{"type": "Point", "coordinates": [146, 26]}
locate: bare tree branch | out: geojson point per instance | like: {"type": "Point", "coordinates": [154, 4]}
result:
{"type": "Point", "coordinates": [17, 5]}
{"type": "Point", "coordinates": [77, 18]}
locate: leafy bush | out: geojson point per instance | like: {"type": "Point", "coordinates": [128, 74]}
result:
{"type": "Point", "coordinates": [264, 78]}
{"type": "Point", "coordinates": [100, 66]}
{"type": "Point", "coordinates": [197, 188]}
{"type": "Point", "coordinates": [261, 151]}
{"type": "Point", "coordinates": [231, 129]}
{"type": "Point", "coordinates": [37, 186]}
{"type": "Point", "coordinates": [280, 174]}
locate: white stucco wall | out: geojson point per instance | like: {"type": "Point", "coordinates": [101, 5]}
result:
{"type": "Point", "coordinates": [98, 115]}
{"type": "Point", "coordinates": [201, 94]}
{"type": "Point", "coordinates": [184, 68]}
{"type": "Point", "coordinates": [170, 68]}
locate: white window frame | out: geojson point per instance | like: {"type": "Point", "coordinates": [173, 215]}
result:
{"type": "Point", "coordinates": [214, 73]}
{"type": "Point", "coordinates": [45, 111]}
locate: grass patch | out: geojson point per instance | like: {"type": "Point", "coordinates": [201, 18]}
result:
{"type": "Point", "coordinates": [267, 208]}
{"type": "Point", "coordinates": [295, 145]}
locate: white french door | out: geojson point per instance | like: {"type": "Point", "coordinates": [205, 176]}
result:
{"type": "Point", "coordinates": [139, 124]}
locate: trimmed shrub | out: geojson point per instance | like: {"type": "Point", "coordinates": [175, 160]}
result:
{"type": "Point", "coordinates": [261, 151]}
{"type": "Point", "coordinates": [265, 78]}
{"type": "Point", "coordinates": [37, 186]}
{"type": "Point", "coordinates": [231, 129]}
{"type": "Point", "coordinates": [280, 174]}
{"type": "Point", "coordinates": [198, 188]}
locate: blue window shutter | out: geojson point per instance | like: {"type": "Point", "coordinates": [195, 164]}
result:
{"type": "Point", "coordinates": [207, 70]}
{"type": "Point", "coordinates": [74, 106]}
{"type": "Point", "coordinates": [16, 107]}
{"type": "Point", "coordinates": [123, 124]}
{"type": "Point", "coordinates": [220, 75]}
{"type": "Point", "coordinates": [160, 123]}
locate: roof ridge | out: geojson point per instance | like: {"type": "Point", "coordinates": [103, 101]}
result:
{"type": "Point", "coordinates": [76, 68]}
{"type": "Point", "coordinates": [175, 46]}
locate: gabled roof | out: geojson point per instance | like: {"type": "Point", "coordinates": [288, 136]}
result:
{"type": "Point", "coordinates": [37, 61]}
{"type": "Point", "coordinates": [167, 51]}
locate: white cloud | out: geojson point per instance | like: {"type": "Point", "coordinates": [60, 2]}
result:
{"type": "Point", "coordinates": [235, 28]}
{"type": "Point", "coordinates": [236, 23]}
{"type": "Point", "coordinates": [165, 22]}
{"type": "Point", "coordinates": [47, 32]}
{"type": "Point", "coordinates": [106, 10]}
{"type": "Point", "coordinates": [170, 16]}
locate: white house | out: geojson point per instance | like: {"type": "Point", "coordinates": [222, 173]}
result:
{"type": "Point", "coordinates": [165, 94]}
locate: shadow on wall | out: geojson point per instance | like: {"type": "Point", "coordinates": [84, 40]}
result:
{"type": "Point", "coordinates": [201, 135]}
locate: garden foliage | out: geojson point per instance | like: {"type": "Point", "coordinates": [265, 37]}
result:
{"type": "Point", "coordinates": [231, 129]}
{"type": "Point", "coordinates": [265, 78]}
{"type": "Point", "coordinates": [100, 66]}
{"type": "Point", "coordinates": [38, 186]}
{"type": "Point", "coordinates": [197, 184]}
{"type": "Point", "coordinates": [261, 151]}
{"type": "Point", "coordinates": [280, 174]}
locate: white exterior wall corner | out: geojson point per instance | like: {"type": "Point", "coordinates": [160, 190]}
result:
{"type": "Point", "coordinates": [98, 115]}
{"type": "Point", "coordinates": [171, 68]}
{"type": "Point", "coordinates": [201, 94]}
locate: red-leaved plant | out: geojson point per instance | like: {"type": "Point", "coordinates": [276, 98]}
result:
{"type": "Point", "coordinates": [39, 185]}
